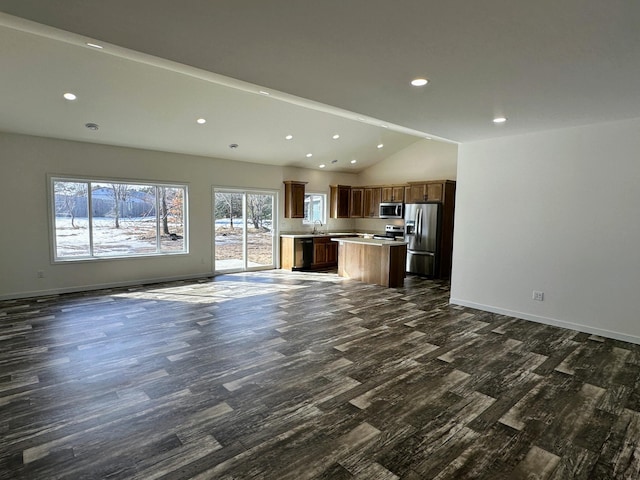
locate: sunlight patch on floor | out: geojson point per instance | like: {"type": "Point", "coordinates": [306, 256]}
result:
{"type": "Point", "coordinates": [213, 292]}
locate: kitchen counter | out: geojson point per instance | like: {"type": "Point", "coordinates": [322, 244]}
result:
{"type": "Point", "coordinates": [380, 262]}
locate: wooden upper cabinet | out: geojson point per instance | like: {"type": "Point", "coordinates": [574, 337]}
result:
{"type": "Point", "coordinates": [435, 191]}
{"type": "Point", "coordinates": [372, 197]}
{"type": "Point", "coordinates": [294, 199]}
{"type": "Point", "coordinates": [426, 191]}
{"type": "Point", "coordinates": [392, 193]}
{"type": "Point", "coordinates": [407, 194]}
{"type": "Point", "coordinates": [357, 202]}
{"type": "Point", "coordinates": [340, 201]}
{"type": "Point", "coordinates": [417, 193]}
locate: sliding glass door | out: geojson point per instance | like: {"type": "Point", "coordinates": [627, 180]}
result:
{"type": "Point", "coordinates": [244, 230]}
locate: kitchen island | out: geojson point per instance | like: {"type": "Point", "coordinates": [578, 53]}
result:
{"type": "Point", "coordinates": [380, 262]}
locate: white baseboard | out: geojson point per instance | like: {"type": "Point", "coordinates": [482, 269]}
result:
{"type": "Point", "coordinates": [548, 321]}
{"type": "Point", "coordinates": [101, 286]}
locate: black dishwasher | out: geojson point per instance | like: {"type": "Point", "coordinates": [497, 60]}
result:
{"type": "Point", "coordinates": [307, 253]}
{"type": "Point", "coordinates": [303, 253]}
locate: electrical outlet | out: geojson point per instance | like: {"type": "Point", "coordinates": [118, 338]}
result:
{"type": "Point", "coordinates": [539, 296]}
{"type": "Point", "coordinates": [40, 273]}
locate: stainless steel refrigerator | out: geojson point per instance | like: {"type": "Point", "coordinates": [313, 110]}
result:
{"type": "Point", "coordinates": [421, 224]}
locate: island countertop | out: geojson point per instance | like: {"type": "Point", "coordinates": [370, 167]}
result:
{"type": "Point", "coordinates": [371, 241]}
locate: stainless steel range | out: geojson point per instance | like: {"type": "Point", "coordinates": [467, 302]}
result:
{"type": "Point", "coordinates": [391, 232]}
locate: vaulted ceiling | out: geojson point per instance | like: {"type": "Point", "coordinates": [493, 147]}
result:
{"type": "Point", "coordinates": [326, 67]}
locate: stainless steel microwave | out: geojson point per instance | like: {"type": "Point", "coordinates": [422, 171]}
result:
{"type": "Point", "coordinates": [391, 210]}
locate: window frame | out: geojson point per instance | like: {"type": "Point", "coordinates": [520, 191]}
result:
{"type": "Point", "coordinates": [323, 197]}
{"type": "Point", "coordinates": [89, 180]}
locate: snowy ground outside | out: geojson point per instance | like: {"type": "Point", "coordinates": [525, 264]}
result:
{"type": "Point", "coordinates": [135, 236]}
{"type": "Point", "coordinates": [138, 236]}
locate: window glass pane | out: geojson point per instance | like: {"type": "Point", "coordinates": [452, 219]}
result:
{"type": "Point", "coordinates": [71, 222]}
{"type": "Point", "coordinates": [259, 229]}
{"type": "Point", "coordinates": [229, 227]}
{"type": "Point", "coordinates": [314, 208]}
{"type": "Point", "coordinates": [124, 219]}
{"type": "Point", "coordinates": [172, 218]}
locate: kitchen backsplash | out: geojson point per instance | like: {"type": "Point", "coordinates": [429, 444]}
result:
{"type": "Point", "coordinates": [334, 225]}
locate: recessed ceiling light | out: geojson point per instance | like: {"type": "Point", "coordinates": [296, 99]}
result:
{"type": "Point", "coordinates": [201, 121]}
{"type": "Point", "coordinates": [499, 119]}
{"type": "Point", "coordinates": [419, 82]}
{"type": "Point", "coordinates": [309, 155]}
{"type": "Point", "coordinates": [322, 166]}
{"type": "Point", "coordinates": [354, 161]}
{"type": "Point", "coordinates": [380, 145]}
{"type": "Point", "coordinates": [336, 136]}
{"type": "Point", "coordinates": [94, 45]}
{"type": "Point", "coordinates": [334, 161]}
{"type": "Point", "coordinates": [69, 96]}
{"type": "Point", "coordinates": [92, 126]}
{"type": "Point", "coordinates": [262, 92]}
{"type": "Point", "coordinates": [288, 137]}
{"type": "Point", "coordinates": [233, 146]}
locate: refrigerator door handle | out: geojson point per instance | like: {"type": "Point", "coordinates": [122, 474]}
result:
{"type": "Point", "coordinates": [419, 226]}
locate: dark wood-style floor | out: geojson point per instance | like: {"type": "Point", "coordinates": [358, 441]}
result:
{"type": "Point", "coordinates": [276, 375]}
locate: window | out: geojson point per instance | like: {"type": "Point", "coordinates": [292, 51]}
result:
{"type": "Point", "coordinates": [315, 208]}
{"type": "Point", "coordinates": [97, 219]}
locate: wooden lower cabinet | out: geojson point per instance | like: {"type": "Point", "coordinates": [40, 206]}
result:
{"type": "Point", "coordinates": [319, 254]}
{"type": "Point", "coordinates": [325, 253]}
{"type": "Point", "coordinates": [332, 253]}
{"type": "Point", "coordinates": [372, 263]}
{"type": "Point", "coordinates": [287, 253]}
{"type": "Point", "coordinates": [292, 253]}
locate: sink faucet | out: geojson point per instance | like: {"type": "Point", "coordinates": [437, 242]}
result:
{"type": "Point", "coordinates": [315, 230]}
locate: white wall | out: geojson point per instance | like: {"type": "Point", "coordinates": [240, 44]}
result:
{"type": "Point", "coordinates": [422, 160]}
{"type": "Point", "coordinates": [25, 162]}
{"type": "Point", "coordinates": [556, 212]}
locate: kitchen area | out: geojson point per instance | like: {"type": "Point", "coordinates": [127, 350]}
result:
{"type": "Point", "coordinates": [409, 229]}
